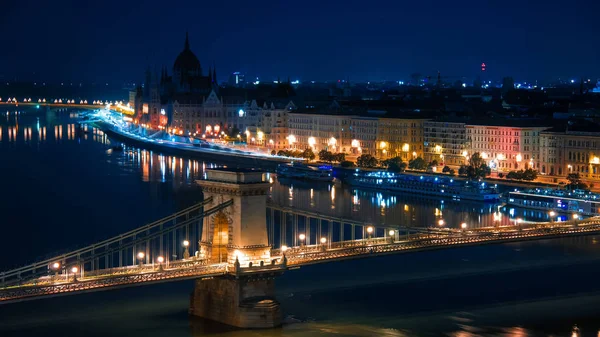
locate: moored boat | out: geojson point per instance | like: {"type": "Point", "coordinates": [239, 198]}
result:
{"type": "Point", "coordinates": [302, 171]}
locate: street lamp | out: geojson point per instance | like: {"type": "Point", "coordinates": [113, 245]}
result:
{"type": "Point", "coordinates": [186, 251]}
{"type": "Point", "coordinates": [74, 270]}
{"type": "Point", "coordinates": [575, 216]}
{"type": "Point", "coordinates": [441, 222]}
{"type": "Point", "coordinates": [391, 234]}
{"type": "Point", "coordinates": [160, 261]}
{"type": "Point", "coordinates": [140, 257]}
{"type": "Point", "coordinates": [463, 225]}
{"type": "Point", "coordinates": [302, 237]}
{"type": "Point", "coordinates": [323, 240]}
{"type": "Point", "coordinates": [369, 231]}
{"type": "Point", "coordinates": [284, 248]}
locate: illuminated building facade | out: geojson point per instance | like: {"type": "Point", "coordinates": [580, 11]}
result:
{"type": "Point", "coordinates": [575, 149]}
{"type": "Point", "coordinates": [356, 135]}
{"type": "Point", "coordinates": [446, 142]}
{"type": "Point", "coordinates": [399, 137]}
{"type": "Point", "coordinates": [506, 145]}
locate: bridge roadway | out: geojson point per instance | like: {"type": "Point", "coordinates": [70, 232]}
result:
{"type": "Point", "coordinates": [292, 257]}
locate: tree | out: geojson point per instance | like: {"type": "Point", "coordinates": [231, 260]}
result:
{"type": "Point", "coordinates": [530, 174]}
{"type": "Point", "coordinates": [574, 178]}
{"type": "Point", "coordinates": [417, 164]}
{"type": "Point", "coordinates": [339, 157]}
{"type": "Point", "coordinates": [366, 160]}
{"type": "Point", "coordinates": [477, 167]}
{"type": "Point", "coordinates": [575, 182]}
{"type": "Point", "coordinates": [325, 155]}
{"type": "Point", "coordinates": [452, 172]}
{"type": "Point", "coordinates": [283, 153]}
{"type": "Point", "coordinates": [462, 170]}
{"type": "Point", "coordinates": [433, 163]}
{"type": "Point", "coordinates": [476, 160]}
{"type": "Point", "coordinates": [273, 152]}
{"type": "Point", "coordinates": [395, 164]}
{"type": "Point", "coordinates": [347, 163]}
{"type": "Point", "coordinates": [308, 154]}
{"type": "Point", "coordinates": [446, 169]}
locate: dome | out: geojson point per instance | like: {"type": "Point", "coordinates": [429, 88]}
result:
{"type": "Point", "coordinates": [186, 60]}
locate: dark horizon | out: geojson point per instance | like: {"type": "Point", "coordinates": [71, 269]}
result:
{"type": "Point", "coordinates": [115, 41]}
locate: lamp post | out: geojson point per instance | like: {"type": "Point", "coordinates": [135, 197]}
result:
{"type": "Point", "coordinates": [441, 222]}
{"type": "Point", "coordinates": [392, 234]}
{"type": "Point", "coordinates": [186, 251]}
{"type": "Point", "coordinates": [74, 270]}
{"type": "Point", "coordinates": [302, 237]}
{"type": "Point", "coordinates": [55, 266]}
{"type": "Point", "coordinates": [551, 214]}
{"type": "Point", "coordinates": [323, 243]}
{"type": "Point", "coordinates": [140, 257]}
{"type": "Point", "coordinates": [463, 226]}
{"type": "Point", "coordinates": [160, 261]}
{"type": "Point", "coordinates": [519, 220]}
{"type": "Point", "coordinates": [369, 231]}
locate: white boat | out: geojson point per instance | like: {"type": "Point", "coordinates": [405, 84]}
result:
{"type": "Point", "coordinates": [302, 171]}
{"type": "Point", "coordinates": [429, 185]}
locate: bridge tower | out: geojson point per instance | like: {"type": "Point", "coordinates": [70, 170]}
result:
{"type": "Point", "coordinates": [238, 237]}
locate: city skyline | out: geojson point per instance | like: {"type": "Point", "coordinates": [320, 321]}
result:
{"type": "Point", "coordinates": [116, 42]}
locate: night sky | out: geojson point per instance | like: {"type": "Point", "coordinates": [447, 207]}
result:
{"type": "Point", "coordinates": [114, 40]}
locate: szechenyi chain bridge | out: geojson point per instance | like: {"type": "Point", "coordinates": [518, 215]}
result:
{"type": "Point", "coordinates": [234, 251]}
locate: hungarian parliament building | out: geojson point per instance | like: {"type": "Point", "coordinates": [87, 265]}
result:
{"type": "Point", "coordinates": [190, 101]}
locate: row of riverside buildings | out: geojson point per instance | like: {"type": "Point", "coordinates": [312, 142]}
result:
{"type": "Point", "coordinates": [190, 102]}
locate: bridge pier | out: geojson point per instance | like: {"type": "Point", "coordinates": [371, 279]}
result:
{"type": "Point", "coordinates": [243, 298]}
{"type": "Point", "coordinates": [241, 301]}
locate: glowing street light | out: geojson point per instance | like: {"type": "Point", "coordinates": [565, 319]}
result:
{"type": "Point", "coordinates": [575, 216]}
{"type": "Point", "coordinates": [441, 222]}
{"type": "Point", "coordinates": [140, 257]}
{"type": "Point", "coordinates": [369, 231]}
{"type": "Point", "coordinates": [160, 261]}
{"type": "Point", "coordinates": [323, 240]}
{"type": "Point", "coordinates": [302, 237]}
{"type": "Point", "coordinates": [74, 270]}
{"type": "Point", "coordinates": [391, 232]}
{"type": "Point", "coordinates": [463, 225]}
{"type": "Point", "coordinates": [55, 265]}
{"type": "Point", "coordinates": [284, 248]}
{"type": "Point", "coordinates": [186, 251]}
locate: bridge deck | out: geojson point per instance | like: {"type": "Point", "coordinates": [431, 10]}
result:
{"type": "Point", "coordinates": [294, 257]}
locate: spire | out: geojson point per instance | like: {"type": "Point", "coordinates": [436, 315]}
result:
{"type": "Point", "coordinates": [187, 41]}
{"type": "Point", "coordinates": [210, 80]}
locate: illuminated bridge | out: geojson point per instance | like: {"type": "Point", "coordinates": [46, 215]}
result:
{"type": "Point", "coordinates": [235, 243]}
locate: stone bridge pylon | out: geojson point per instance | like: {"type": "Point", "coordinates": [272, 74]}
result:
{"type": "Point", "coordinates": [238, 236]}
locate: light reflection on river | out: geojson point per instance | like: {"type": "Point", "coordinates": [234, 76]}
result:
{"type": "Point", "coordinates": [63, 187]}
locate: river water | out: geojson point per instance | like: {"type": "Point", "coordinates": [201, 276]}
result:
{"type": "Point", "coordinates": [60, 191]}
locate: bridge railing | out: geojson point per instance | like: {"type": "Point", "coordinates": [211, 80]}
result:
{"type": "Point", "coordinates": [311, 256]}
{"type": "Point", "coordinates": [110, 247]}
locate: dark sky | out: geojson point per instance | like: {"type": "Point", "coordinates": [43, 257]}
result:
{"type": "Point", "coordinates": [114, 40]}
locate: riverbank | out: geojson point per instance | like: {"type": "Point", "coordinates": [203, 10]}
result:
{"type": "Point", "coordinates": [231, 157]}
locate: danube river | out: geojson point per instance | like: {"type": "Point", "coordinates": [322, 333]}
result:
{"type": "Point", "coordinates": [61, 189]}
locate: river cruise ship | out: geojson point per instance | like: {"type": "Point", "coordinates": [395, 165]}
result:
{"type": "Point", "coordinates": [560, 201]}
{"type": "Point", "coordinates": [429, 185]}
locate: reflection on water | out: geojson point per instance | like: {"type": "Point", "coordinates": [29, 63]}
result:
{"type": "Point", "coordinates": [66, 185]}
